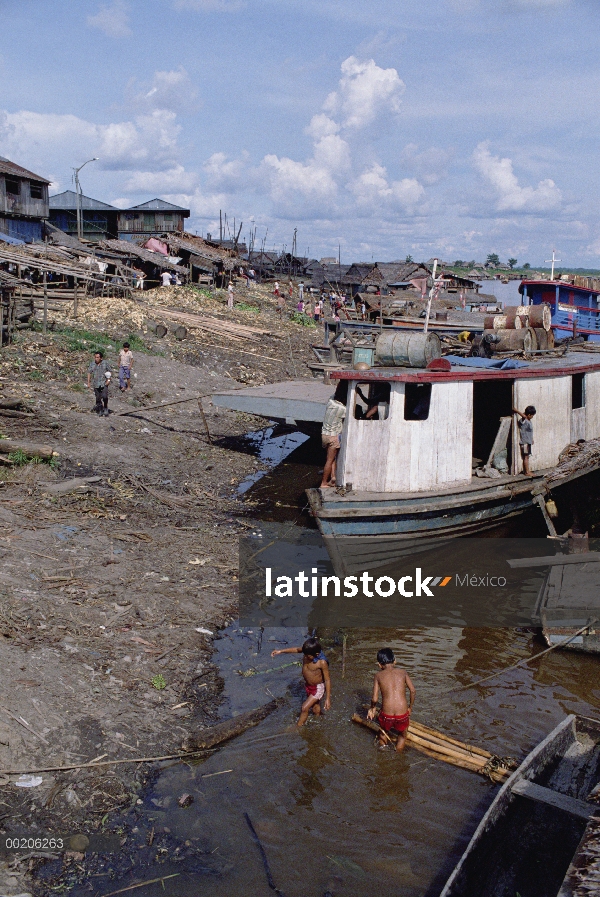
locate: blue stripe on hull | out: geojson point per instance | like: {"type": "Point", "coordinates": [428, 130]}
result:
{"type": "Point", "coordinates": [468, 517]}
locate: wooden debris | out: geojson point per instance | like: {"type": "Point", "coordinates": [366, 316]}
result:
{"type": "Point", "coordinates": [75, 484]}
{"type": "Point", "coordinates": [31, 449]}
{"type": "Point", "coordinates": [438, 746]}
{"type": "Point", "coordinates": [208, 738]}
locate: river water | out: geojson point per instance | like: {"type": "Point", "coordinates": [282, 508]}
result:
{"type": "Point", "coordinates": [334, 814]}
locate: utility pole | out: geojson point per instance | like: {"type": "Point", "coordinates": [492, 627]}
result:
{"type": "Point", "coordinates": [78, 197]}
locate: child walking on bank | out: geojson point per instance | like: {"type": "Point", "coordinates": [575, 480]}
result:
{"type": "Point", "coordinates": [526, 436]}
{"type": "Point", "coordinates": [392, 682]}
{"type": "Point", "coordinates": [315, 670]}
{"type": "Point", "coordinates": [125, 365]}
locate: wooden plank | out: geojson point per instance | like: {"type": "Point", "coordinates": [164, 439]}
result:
{"type": "Point", "coordinates": [553, 560]}
{"type": "Point", "coordinates": [555, 799]}
{"type": "Point", "coordinates": [501, 438]}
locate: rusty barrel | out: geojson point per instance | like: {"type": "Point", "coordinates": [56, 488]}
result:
{"type": "Point", "coordinates": [407, 349]}
{"type": "Point", "coordinates": [508, 321]}
{"type": "Point", "coordinates": [523, 340]}
{"type": "Point", "coordinates": [540, 316]}
{"type": "Point", "coordinates": [545, 338]}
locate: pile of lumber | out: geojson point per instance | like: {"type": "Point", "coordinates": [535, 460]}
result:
{"type": "Point", "coordinates": [575, 457]}
{"type": "Point", "coordinates": [441, 747]}
{"type": "Point", "coordinates": [219, 326]}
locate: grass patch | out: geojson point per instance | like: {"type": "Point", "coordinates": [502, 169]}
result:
{"type": "Point", "coordinates": [20, 458]}
{"type": "Point", "coordinates": [243, 306]}
{"type": "Point", "coordinates": [76, 340]}
{"type": "Point", "coordinates": [35, 375]}
{"type": "Point", "coordinates": [298, 317]}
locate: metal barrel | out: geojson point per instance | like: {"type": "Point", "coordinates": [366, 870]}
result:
{"type": "Point", "coordinates": [540, 316]}
{"type": "Point", "coordinates": [513, 340]}
{"type": "Point", "coordinates": [407, 349]}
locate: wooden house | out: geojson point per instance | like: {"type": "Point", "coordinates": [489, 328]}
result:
{"type": "Point", "coordinates": [99, 219]}
{"type": "Point", "coordinates": [151, 219]}
{"type": "Point", "coordinates": [23, 202]}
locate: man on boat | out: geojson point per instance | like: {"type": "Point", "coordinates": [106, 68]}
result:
{"type": "Point", "coordinates": [394, 715]}
{"type": "Point", "coordinates": [526, 436]}
{"type": "Point", "coordinates": [333, 423]}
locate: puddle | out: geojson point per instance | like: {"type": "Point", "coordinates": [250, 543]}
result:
{"type": "Point", "coordinates": [333, 814]}
{"type": "Point", "coordinates": [271, 446]}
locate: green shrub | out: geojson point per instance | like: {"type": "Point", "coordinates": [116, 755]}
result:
{"type": "Point", "coordinates": [299, 317]}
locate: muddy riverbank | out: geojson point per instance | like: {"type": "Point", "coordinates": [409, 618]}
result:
{"type": "Point", "coordinates": [109, 597]}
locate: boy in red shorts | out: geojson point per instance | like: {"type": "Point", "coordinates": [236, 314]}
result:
{"type": "Point", "coordinates": [392, 682]}
{"type": "Point", "coordinates": [315, 670]}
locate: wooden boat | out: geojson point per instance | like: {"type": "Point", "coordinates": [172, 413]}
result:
{"type": "Point", "coordinates": [409, 474]}
{"type": "Point", "coordinates": [528, 837]}
{"type": "Point", "coordinates": [569, 602]}
{"type": "Point", "coordinates": [570, 305]}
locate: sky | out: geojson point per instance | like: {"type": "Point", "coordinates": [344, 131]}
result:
{"type": "Point", "coordinates": [381, 129]}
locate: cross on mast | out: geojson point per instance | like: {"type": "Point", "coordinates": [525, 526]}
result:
{"type": "Point", "coordinates": [553, 260]}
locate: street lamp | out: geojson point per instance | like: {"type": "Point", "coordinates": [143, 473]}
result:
{"type": "Point", "coordinates": [78, 194]}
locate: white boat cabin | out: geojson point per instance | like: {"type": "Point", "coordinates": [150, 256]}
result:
{"type": "Point", "coordinates": [410, 430]}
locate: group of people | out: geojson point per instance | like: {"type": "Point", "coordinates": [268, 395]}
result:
{"type": "Point", "coordinates": [389, 688]}
{"type": "Point", "coordinates": [99, 377]}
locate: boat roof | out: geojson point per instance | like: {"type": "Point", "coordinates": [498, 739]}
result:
{"type": "Point", "coordinates": [563, 284]}
{"type": "Point", "coordinates": [572, 362]}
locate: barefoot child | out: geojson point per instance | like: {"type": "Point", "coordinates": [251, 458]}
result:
{"type": "Point", "coordinates": [392, 682]}
{"type": "Point", "coordinates": [315, 669]}
{"type": "Point", "coordinates": [526, 436]}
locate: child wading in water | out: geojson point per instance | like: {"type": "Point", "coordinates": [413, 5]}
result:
{"type": "Point", "coordinates": [315, 669]}
{"type": "Point", "coordinates": [392, 682]}
{"type": "Point", "coordinates": [526, 436]}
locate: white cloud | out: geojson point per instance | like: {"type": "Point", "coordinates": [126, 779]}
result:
{"type": "Point", "coordinates": [174, 180]}
{"type": "Point", "coordinates": [430, 165]}
{"type": "Point", "coordinates": [112, 20]}
{"type": "Point", "coordinates": [149, 141]}
{"type": "Point", "coordinates": [225, 174]}
{"type": "Point", "coordinates": [511, 196]}
{"type": "Point", "coordinates": [321, 126]}
{"type": "Point", "coordinates": [364, 91]}
{"type": "Point", "coordinates": [294, 184]}
{"type": "Point", "coordinates": [372, 189]}
{"type": "Point", "coordinates": [173, 90]}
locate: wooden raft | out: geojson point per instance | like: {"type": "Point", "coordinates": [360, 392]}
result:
{"type": "Point", "coordinates": [441, 747]}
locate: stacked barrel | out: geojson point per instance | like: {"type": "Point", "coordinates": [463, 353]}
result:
{"type": "Point", "coordinates": [522, 328]}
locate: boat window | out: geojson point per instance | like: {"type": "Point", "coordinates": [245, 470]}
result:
{"type": "Point", "coordinates": [578, 391]}
{"type": "Point", "coordinates": [372, 401]}
{"type": "Point", "coordinates": [417, 398]}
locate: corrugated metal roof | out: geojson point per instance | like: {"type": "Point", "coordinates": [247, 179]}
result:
{"type": "Point", "coordinates": [157, 205]}
{"type": "Point", "coordinates": [8, 167]}
{"type": "Point", "coordinates": [68, 200]}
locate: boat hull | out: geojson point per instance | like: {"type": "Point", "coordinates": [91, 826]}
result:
{"type": "Point", "coordinates": [525, 841]}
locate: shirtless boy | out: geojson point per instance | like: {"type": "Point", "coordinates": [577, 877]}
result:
{"type": "Point", "coordinates": [392, 682]}
{"type": "Point", "coordinates": [315, 670]}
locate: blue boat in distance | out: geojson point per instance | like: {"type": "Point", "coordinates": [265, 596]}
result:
{"type": "Point", "coordinates": [571, 306]}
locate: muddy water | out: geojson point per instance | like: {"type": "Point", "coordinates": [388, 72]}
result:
{"type": "Point", "coordinates": [333, 813]}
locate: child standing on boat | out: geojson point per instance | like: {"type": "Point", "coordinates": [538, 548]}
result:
{"type": "Point", "coordinates": [333, 424]}
{"type": "Point", "coordinates": [315, 670]}
{"type": "Point", "coordinates": [392, 683]}
{"type": "Point", "coordinates": [526, 436]}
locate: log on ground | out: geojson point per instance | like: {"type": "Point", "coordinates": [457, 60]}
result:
{"type": "Point", "coordinates": [231, 728]}
{"type": "Point", "coordinates": [31, 449]}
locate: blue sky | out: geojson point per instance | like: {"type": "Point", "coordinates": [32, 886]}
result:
{"type": "Point", "coordinates": [456, 129]}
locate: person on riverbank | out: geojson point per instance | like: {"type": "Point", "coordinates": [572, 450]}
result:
{"type": "Point", "coordinates": [317, 682]}
{"type": "Point", "coordinates": [230, 295]}
{"type": "Point", "coordinates": [526, 436]}
{"type": "Point", "coordinates": [392, 683]}
{"type": "Point", "coordinates": [98, 379]}
{"type": "Point", "coordinates": [125, 365]}
{"type": "Point", "coordinates": [333, 424]}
